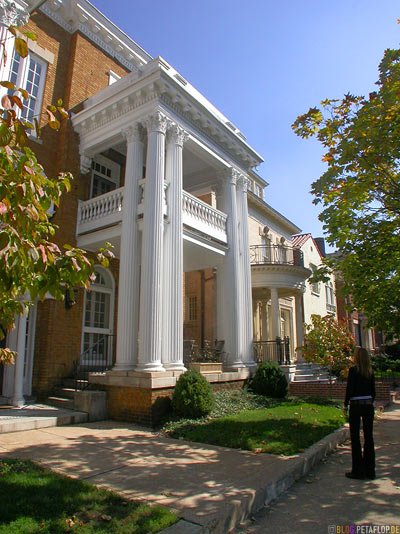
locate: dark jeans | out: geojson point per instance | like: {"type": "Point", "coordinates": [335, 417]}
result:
{"type": "Point", "coordinates": [362, 464]}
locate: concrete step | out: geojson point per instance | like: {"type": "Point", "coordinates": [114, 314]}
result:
{"type": "Point", "coordinates": [37, 416]}
{"type": "Point", "coordinates": [71, 383]}
{"type": "Point", "coordinates": [64, 393]}
{"type": "Point", "coordinates": [61, 402]}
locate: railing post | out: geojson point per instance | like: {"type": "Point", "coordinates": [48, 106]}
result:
{"type": "Point", "coordinates": [287, 350]}
{"type": "Point", "coordinates": [279, 350]}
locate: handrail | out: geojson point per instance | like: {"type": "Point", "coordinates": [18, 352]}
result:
{"type": "Point", "coordinates": [277, 350]}
{"type": "Point", "coordinates": [276, 254]}
{"type": "Point", "coordinates": [97, 358]}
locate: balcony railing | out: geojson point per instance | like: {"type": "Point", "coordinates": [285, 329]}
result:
{"type": "Point", "coordinates": [275, 254]}
{"type": "Point", "coordinates": [100, 211]}
{"type": "Point", "coordinates": [106, 210]}
{"type": "Point", "coordinates": [203, 217]}
{"type": "Point", "coordinates": [277, 351]}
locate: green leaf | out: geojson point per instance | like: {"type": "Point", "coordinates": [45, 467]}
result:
{"type": "Point", "coordinates": [31, 36]}
{"type": "Point", "coordinates": [5, 135]}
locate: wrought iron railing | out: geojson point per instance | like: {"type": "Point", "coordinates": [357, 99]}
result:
{"type": "Point", "coordinates": [98, 358]}
{"type": "Point", "coordinates": [276, 254]}
{"type": "Point", "coordinates": [277, 350]}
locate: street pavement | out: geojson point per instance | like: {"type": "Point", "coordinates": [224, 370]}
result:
{"type": "Point", "coordinates": [326, 502]}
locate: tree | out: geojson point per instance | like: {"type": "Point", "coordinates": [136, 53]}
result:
{"type": "Point", "coordinates": [360, 192]}
{"type": "Point", "coordinates": [31, 264]}
{"type": "Point", "coordinates": [329, 344]}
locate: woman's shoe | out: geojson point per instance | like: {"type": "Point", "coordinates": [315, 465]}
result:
{"type": "Point", "coordinates": [370, 476]}
{"type": "Point", "coordinates": [357, 476]}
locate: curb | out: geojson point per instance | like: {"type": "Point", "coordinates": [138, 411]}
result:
{"type": "Point", "coordinates": [229, 517]}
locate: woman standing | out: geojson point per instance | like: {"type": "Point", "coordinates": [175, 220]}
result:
{"type": "Point", "coordinates": [360, 393]}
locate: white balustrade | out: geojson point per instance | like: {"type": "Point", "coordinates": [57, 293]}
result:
{"type": "Point", "coordinates": [203, 217]}
{"type": "Point", "coordinates": [100, 211]}
{"type": "Point", "coordinates": [106, 210]}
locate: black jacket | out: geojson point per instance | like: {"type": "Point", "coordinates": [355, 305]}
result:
{"type": "Point", "coordinates": [358, 386]}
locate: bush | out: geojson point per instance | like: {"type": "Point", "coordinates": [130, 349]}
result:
{"type": "Point", "coordinates": [193, 396]}
{"type": "Point", "coordinates": [393, 351]}
{"type": "Point", "coordinates": [381, 362]}
{"type": "Point", "coordinates": [270, 381]}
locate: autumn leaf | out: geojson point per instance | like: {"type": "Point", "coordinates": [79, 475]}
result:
{"type": "Point", "coordinates": [21, 47]}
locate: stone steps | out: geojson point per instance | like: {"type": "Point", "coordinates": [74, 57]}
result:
{"type": "Point", "coordinates": [310, 372]}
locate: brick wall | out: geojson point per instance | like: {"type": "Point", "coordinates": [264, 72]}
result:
{"type": "Point", "coordinates": [145, 406]}
{"type": "Point", "coordinates": [315, 389]}
{"type": "Point", "coordinates": [79, 71]}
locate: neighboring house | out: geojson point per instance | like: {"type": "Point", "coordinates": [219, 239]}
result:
{"type": "Point", "coordinates": [170, 182]}
{"type": "Point", "coordinates": [368, 338]}
{"type": "Point", "coordinates": [319, 297]}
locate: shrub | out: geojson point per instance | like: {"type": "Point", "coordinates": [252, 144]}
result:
{"type": "Point", "coordinates": [193, 396]}
{"type": "Point", "coordinates": [393, 351]}
{"type": "Point", "coordinates": [270, 381]}
{"type": "Point", "coordinates": [381, 362]}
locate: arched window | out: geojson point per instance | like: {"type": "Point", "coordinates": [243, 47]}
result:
{"type": "Point", "coordinates": [98, 319]}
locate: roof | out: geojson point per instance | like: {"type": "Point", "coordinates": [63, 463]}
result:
{"type": "Point", "coordinates": [299, 240]}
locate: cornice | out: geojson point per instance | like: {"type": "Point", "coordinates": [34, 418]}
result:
{"type": "Point", "coordinates": [140, 88]}
{"type": "Point", "coordinates": [283, 269]}
{"type": "Point", "coordinates": [82, 16]}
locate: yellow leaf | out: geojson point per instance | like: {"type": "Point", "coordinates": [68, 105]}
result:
{"type": "Point", "coordinates": [21, 47]}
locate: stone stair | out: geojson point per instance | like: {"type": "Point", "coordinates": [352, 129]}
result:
{"type": "Point", "coordinates": [310, 372]}
{"type": "Point", "coordinates": [63, 395]}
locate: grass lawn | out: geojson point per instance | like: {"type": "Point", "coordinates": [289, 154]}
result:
{"type": "Point", "coordinates": [35, 500]}
{"type": "Point", "coordinates": [286, 427]}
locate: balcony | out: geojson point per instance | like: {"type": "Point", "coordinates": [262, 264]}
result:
{"type": "Point", "coordinates": [105, 211]}
{"type": "Point", "coordinates": [277, 266]}
{"type": "Point", "coordinates": [276, 255]}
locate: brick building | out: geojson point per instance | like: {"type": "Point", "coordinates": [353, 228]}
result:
{"type": "Point", "coordinates": [170, 182]}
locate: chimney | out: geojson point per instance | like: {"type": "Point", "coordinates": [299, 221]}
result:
{"type": "Point", "coordinates": [320, 242]}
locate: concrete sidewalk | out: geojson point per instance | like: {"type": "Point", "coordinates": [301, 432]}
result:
{"type": "Point", "coordinates": [34, 416]}
{"type": "Point", "coordinates": [211, 488]}
{"type": "Point", "coordinates": [326, 501]}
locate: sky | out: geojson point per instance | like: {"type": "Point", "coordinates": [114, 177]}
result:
{"type": "Point", "coordinates": [264, 62]}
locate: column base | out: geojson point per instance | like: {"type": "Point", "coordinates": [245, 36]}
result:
{"type": "Point", "coordinates": [18, 402]}
{"type": "Point", "coordinates": [150, 368]}
{"type": "Point", "coordinates": [175, 366]}
{"type": "Point", "coordinates": [123, 367]}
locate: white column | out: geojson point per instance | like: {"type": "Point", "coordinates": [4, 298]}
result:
{"type": "Point", "coordinates": [230, 317]}
{"type": "Point", "coordinates": [172, 326]}
{"type": "Point", "coordinates": [264, 321]}
{"type": "Point", "coordinates": [299, 323]}
{"type": "Point", "coordinates": [18, 397]}
{"type": "Point", "coordinates": [128, 291]}
{"type": "Point", "coordinates": [245, 278]}
{"type": "Point", "coordinates": [150, 326]}
{"type": "Point", "coordinates": [276, 315]}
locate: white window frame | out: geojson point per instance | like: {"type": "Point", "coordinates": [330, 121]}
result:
{"type": "Point", "coordinates": [316, 286]}
{"type": "Point", "coordinates": [109, 289]}
{"type": "Point", "coordinates": [115, 168]}
{"type": "Point", "coordinates": [23, 70]}
{"type": "Point", "coordinates": [189, 309]}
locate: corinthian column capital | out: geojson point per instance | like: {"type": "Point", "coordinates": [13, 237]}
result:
{"type": "Point", "coordinates": [229, 175]}
{"type": "Point", "coordinates": [133, 133]}
{"type": "Point", "coordinates": [243, 182]}
{"type": "Point", "coordinates": [11, 15]}
{"type": "Point", "coordinates": [157, 122]}
{"type": "Point", "coordinates": [177, 135]}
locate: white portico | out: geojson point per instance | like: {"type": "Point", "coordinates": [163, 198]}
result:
{"type": "Point", "coordinates": [175, 147]}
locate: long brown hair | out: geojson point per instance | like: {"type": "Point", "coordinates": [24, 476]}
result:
{"type": "Point", "coordinates": [362, 361]}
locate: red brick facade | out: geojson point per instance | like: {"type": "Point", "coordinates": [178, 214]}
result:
{"type": "Point", "coordinates": [336, 391]}
{"type": "Point", "coordinates": [79, 71]}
